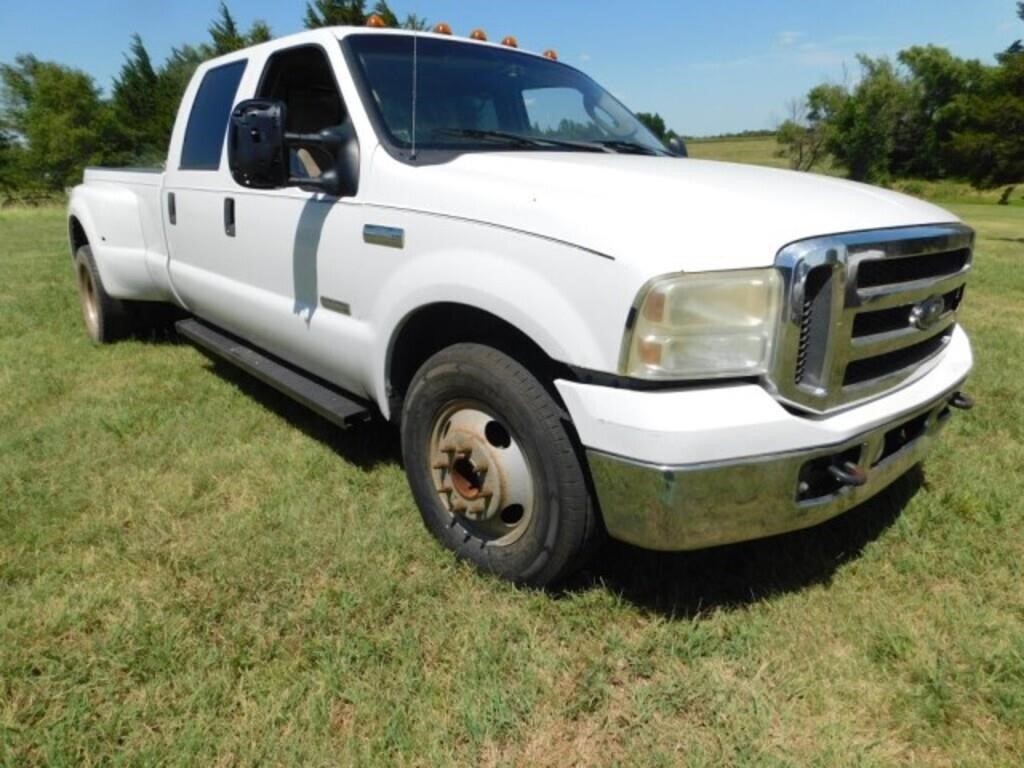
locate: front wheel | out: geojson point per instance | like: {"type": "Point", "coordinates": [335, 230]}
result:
{"type": "Point", "coordinates": [494, 468]}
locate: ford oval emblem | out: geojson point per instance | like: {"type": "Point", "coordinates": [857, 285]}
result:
{"type": "Point", "coordinates": [928, 313]}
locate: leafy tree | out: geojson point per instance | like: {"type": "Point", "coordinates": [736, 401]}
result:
{"type": "Point", "coordinates": [413, 21]}
{"type": "Point", "coordinates": [59, 114]}
{"type": "Point", "coordinates": [936, 81]}
{"type": "Point", "coordinates": [259, 32]}
{"type": "Point", "coordinates": [224, 33]}
{"type": "Point", "coordinates": [330, 13]}
{"type": "Point", "coordinates": [136, 105]}
{"type": "Point", "coordinates": [226, 37]}
{"type": "Point", "coordinates": [174, 76]}
{"type": "Point", "coordinates": [804, 138]}
{"type": "Point", "coordinates": [1017, 47]}
{"type": "Point", "coordinates": [10, 164]}
{"type": "Point", "coordinates": [383, 10]}
{"type": "Point", "coordinates": [869, 123]}
{"type": "Point", "coordinates": [990, 148]}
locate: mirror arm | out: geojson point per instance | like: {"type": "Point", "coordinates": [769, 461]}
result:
{"type": "Point", "coordinates": [321, 185]}
{"type": "Point", "coordinates": [324, 139]}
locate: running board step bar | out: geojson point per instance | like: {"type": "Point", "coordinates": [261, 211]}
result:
{"type": "Point", "coordinates": [333, 404]}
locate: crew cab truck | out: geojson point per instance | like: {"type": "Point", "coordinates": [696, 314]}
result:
{"type": "Point", "coordinates": [577, 331]}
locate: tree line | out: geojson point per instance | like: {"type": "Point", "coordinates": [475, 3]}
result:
{"type": "Point", "coordinates": [55, 120]}
{"type": "Point", "coordinates": [926, 115]}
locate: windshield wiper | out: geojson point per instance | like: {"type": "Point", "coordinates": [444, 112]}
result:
{"type": "Point", "coordinates": [632, 147]}
{"type": "Point", "coordinates": [519, 140]}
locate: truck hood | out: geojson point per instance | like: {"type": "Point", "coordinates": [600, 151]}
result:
{"type": "Point", "coordinates": [659, 214]}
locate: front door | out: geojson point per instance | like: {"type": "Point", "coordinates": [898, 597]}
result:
{"type": "Point", "coordinates": [257, 268]}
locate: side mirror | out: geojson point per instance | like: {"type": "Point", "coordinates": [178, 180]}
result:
{"type": "Point", "coordinates": [678, 147]}
{"type": "Point", "coordinates": [257, 155]}
{"type": "Point", "coordinates": [259, 151]}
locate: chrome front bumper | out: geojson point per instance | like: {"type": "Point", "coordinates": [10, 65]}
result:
{"type": "Point", "coordinates": [706, 505]}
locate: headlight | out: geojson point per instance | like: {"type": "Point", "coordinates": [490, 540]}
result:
{"type": "Point", "coordinates": [704, 325]}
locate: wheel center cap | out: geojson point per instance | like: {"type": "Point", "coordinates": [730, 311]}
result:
{"type": "Point", "coordinates": [472, 486]}
{"type": "Point", "coordinates": [466, 480]}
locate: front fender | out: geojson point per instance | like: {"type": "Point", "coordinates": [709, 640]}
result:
{"type": "Point", "coordinates": [573, 304]}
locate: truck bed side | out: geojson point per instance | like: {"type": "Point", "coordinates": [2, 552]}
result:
{"type": "Point", "coordinates": [119, 213]}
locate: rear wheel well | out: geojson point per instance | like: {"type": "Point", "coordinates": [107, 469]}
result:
{"type": "Point", "coordinates": [432, 328]}
{"type": "Point", "coordinates": [76, 235]}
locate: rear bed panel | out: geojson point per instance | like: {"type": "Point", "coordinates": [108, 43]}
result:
{"type": "Point", "coordinates": [120, 211]}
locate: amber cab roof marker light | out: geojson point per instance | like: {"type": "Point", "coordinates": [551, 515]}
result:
{"type": "Point", "coordinates": [442, 29]}
{"type": "Point", "coordinates": [376, 21]}
{"type": "Point", "coordinates": [551, 53]}
{"type": "Point", "coordinates": [511, 42]}
{"type": "Point", "coordinates": [478, 34]}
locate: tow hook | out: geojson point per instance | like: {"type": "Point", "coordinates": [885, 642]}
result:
{"type": "Point", "coordinates": [962, 402]}
{"type": "Point", "coordinates": [849, 474]}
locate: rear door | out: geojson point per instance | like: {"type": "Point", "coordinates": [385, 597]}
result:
{"type": "Point", "coordinates": [201, 259]}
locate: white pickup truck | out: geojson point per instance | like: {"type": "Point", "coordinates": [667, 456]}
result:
{"type": "Point", "coordinates": [578, 331]}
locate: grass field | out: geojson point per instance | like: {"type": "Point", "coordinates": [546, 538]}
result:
{"type": "Point", "coordinates": [194, 571]}
{"type": "Point", "coordinates": [760, 150]}
{"type": "Point", "coordinates": [764, 150]}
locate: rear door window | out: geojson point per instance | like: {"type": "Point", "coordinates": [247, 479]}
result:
{"type": "Point", "coordinates": [208, 123]}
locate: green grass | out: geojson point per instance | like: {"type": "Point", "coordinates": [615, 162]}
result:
{"type": "Point", "coordinates": [194, 571]}
{"type": "Point", "coordinates": [759, 150]}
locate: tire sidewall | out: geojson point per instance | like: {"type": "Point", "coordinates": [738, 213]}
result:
{"type": "Point", "coordinates": [83, 260]}
{"type": "Point", "coordinates": [534, 420]}
{"type": "Point", "coordinates": [112, 322]}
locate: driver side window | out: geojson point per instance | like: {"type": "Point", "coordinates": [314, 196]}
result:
{"type": "Point", "coordinates": [303, 79]}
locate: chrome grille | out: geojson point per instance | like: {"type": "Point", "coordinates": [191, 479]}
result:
{"type": "Point", "coordinates": [867, 312]}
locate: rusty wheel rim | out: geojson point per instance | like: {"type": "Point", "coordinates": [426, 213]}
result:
{"type": "Point", "coordinates": [481, 473]}
{"type": "Point", "coordinates": [87, 295]}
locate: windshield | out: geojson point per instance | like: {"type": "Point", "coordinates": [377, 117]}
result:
{"type": "Point", "coordinates": [471, 96]}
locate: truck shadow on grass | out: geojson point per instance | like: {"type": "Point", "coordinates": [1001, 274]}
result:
{"type": "Point", "coordinates": [366, 446]}
{"type": "Point", "coordinates": [686, 584]}
{"type": "Point", "coordinates": [679, 585]}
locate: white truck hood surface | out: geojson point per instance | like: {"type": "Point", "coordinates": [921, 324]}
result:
{"type": "Point", "coordinates": [658, 215]}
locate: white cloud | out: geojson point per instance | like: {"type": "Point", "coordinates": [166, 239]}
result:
{"type": "Point", "coordinates": [584, 57]}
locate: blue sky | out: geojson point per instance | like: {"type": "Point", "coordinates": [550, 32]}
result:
{"type": "Point", "coordinates": [707, 67]}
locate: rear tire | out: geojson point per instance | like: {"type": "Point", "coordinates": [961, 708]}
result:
{"type": "Point", "coordinates": [495, 468]}
{"type": "Point", "coordinates": [106, 318]}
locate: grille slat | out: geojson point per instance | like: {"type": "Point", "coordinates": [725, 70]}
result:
{"type": "Point", "coordinates": [875, 322]}
{"type": "Point", "coordinates": [896, 297]}
{"type": "Point", "coordinates": [910, 292]}
{"type": "Point", "coordinates": [894, 271]}
{"type": "Point", "coordinates": [870, 369]}
{"type": "Point", "coordinates": [884, 343]}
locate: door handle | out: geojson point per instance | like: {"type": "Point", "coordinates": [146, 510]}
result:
{"type": "Point", "coordinates": [172, 208]}
{"type": "Point", "coordinates": [229, 216]}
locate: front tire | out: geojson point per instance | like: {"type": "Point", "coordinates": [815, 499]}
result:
{"type": "Point", "coordinates": [494, 467]}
